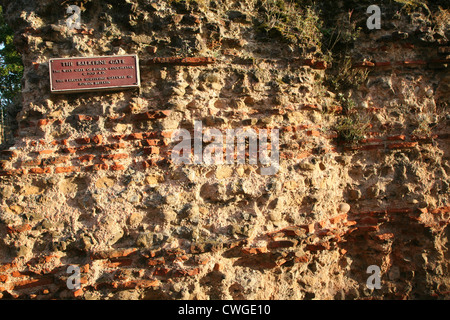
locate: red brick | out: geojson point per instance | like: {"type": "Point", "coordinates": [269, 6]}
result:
{"type": "Point", "coordinates": [31, 163]}
{"type": "Point", "coordinates": [85, 148]}
{"type": "Point", "coordinates": [96, 167]}
{"type": "Point", "coordinates": [313, 133]}
{"type": "Point", "coordinates": [254, 250]}
{"type": "Point", "coordinates": [299, 258]}
{"type": "Point", "coordinates": [350, 223]}
{"type": "Point", "coordinates": [149, 163]}
{"type": "Point", "coordinates": [119, 263]}
{"type": "Point", "coordinates": [13, 172]}
{"type": "Point", "coordinates": [302, 155]}
{"type": "Point", "coordinates": [364, 64]}
{"type": "Point", "coordinates": [64, 169]}
{"type": "Point", "coordinates": [114, 146]}
{"type": "Point", "coordinates": [69, 150]}
{"type": "Point", "coordinates": [161, 271]}
{"type": "Point", "coordinates": [312, 107]}
{"type": "Point", "coordinates": [56, 160]}
{"type": "Point", "coordinates": [116, 156]}
{"type": "Point", "coordinates": [320, 65]}
{"type": "Point", "coordinates": [118, 136]}
{"type": "Point", "coordinates": [78, 293]}
{"type": "Point", "coordinates": [97, 139]}
{"type": "Point", "coordinates": [83, 140]}
{"type": "Point", "coordinates": [84, 268]}
{"type": "Point", "coordinates": [368, 228]}
{"type": "Point", "coordinates": [374, 109]}
{"type": "Point", "coordinates": [308, 227]}
{"type": "Point", "coordinates": [371, 140]}
{"type": "Point", "coordinates": [317, 247]}
{"type": "Point", "coordinates": [188, 61]}
{"type": "Point", "coordinates": [151, 150]}
{"type": "Point", "coordinates": [116, 167]}
{"type": "Point", "coordinates": [424, 139]}
{"type": "Point", "coordinates": [292, 231]}
{"type": "Point", "coordinates": [156, 261]}
{"type": "Point", "coordinates": [151, 142]}
{"type": "Point", "coordinates": [43, 122]}
{"type": "Point", "coordinates": [82, 117]}
{"type": "Point", "coordinates": [115, 253]}
{"type": "Point", "coordinates": [23, 274]}
{"type": "Point", "coordinates": [39, 170]}
{"type": "Point", "coordinates": [282, 244]}
{"type": "Point", "coordinates": [183, 273]}
{"type": "Point", "coordinates": [151, 134]}
{"type": "Point", "coordinates": [193, 272]}
{"type": "Point", "coordinates": [414, 62]}
{"type": "Point", "coordinates": [384, 236]}
{"type": "Point", "coordinates": [441, 210]}
{"type": "Point", "coordinates": [322, 223]}
{"type": "Point", "coordinates": [398, 137]}
{"type": "Point", "coordinates": [399, 210]}
{"type": "Point", "coordinates": [46, 152]}
{"type": "Point", "coordinates": [338, 218]}
{"type": "Point", "coordinates": [402, 145]}
{"type": "Point", "coordinates": [135, 136]}
{"type": "Point", "coordinates": [86, 158]}
{"type": "Point", "coordinates": [136, 284]}
{"type": "Point", "coordinates": [31, 283]}
{"type": "Point", "coordinates": [369, 220]}
{"type": "Point", "coordinates": [18, 229]}
{"type": "Point", "coordinates": [382, 64]}
{"type": "Point", "coordinates": [200, 260]}
{"type": "Point", "coordinates": [167, 133]}
{"type": "Point", "coordinates": [3, 278]}
{"type": "Point", "coordinates": [335, 109]}
{"type": "Point", "coordinates": [144, 116]}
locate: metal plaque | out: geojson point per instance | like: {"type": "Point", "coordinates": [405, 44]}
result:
{"type": "Point", "coordinates": [94, 73]}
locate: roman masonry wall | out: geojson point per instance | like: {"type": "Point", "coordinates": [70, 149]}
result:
{"type": "Point", "coordinates": [362, 167]}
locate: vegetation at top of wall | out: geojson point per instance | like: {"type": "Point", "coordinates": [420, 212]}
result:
{"type": "Point", "coordinates": [290, 22]}
{"type": "Point", "coordinates": [11, 72]}
{"type": "Point", "coordinates": [11, 68]}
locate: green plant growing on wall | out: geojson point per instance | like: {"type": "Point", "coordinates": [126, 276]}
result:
{"type": "Point", "coordinates": [412, 5]}
{"type": "Point", "coordinates": [290, 22]}
{"type": "Point", "coordinates": [352, 128]}
{"type": "Point", "coordinates": [346, 77]}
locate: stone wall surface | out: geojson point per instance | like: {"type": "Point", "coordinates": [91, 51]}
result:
{"type": "Point", "coordinates": [90, 182]}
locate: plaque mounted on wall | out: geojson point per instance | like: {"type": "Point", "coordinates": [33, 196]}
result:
{"type": "Point", "coordinates": [94, 73]}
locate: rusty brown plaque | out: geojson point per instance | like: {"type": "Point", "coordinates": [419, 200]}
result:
{"type": "Point", "coordinates": [94, 73]}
